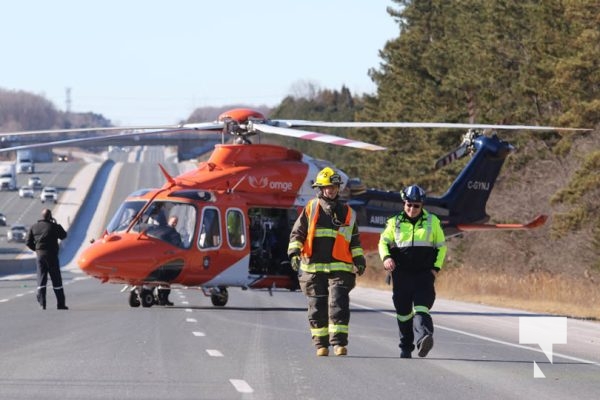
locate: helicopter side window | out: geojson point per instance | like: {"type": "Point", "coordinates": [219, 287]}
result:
{"type": "Point", "coordinates": [236, 228]}
{"type": "Point", "coordinates": [210, 230]}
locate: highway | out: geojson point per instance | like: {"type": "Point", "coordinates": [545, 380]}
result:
{"type": "Point", "coordinates": [258, 346]}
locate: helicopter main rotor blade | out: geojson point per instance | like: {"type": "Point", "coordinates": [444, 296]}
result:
{"type": "Point", "coordinates": [76, 130]}
{"type": "Point", "coordinates": [202, 126]}
{"type": "Point", "coordinates": [315, 136]}
{"type": "Point", "coordinates": [325, 124]}
{"type": "Point", "coordinates": [94, 139]}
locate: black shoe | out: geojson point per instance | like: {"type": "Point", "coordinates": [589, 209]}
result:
{"type": "Point", "coordinates": [43, 306]}
{"type": "Point", "coordinates": [62, 308]}
{"type": "Point", "coordinates": [405, 354]}
{"type": "Point", "coordinates": [425, 345]}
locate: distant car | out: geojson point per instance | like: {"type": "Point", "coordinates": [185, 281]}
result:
{"type": "Point", "coordinates": [26, 191]}
{"type": "Point", "coordinates": [49, 194]}
{"type": "Point", "coordinates": [63, 158]}
{"type": "Point", "coordinates": [2, 219]}
{"type": "Point", "coordinates": [35, 182]}
{"type": "Point", "coordinates": [16, 233]}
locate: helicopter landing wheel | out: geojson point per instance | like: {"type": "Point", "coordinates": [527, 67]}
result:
{"type": "Point", "coordinates": [219, 297]}
{"type": "Point", "coordinates": [134, 300]}
{"type": "Point", "coordinates": [147, 297]}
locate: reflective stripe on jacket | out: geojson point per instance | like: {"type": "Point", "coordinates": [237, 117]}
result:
{"type": "Point", "coordinates": [414, 246]}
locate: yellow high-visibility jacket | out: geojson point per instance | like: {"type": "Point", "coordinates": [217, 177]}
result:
{"type": "Point", "coordinates": [414, 246]}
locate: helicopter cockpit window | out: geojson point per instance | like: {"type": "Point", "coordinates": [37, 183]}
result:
{"type": "Point", "coordinates": [210, 229]}
{"type": "Point", "coordinates": [236, 228]}
{"type": "Point", "coordinates": [168, 221]}
{"type": "Point", "coordinates": [124, 215]}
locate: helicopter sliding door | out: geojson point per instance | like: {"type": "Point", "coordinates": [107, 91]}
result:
{"type": "Point", "coordinates": [269, 238]}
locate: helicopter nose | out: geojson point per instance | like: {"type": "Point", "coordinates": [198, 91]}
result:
{"type": "Point", "coordinates": [97, 263]}
{"type": "Point", "coordinates": [121, 258]}
{"type": "Point", "coordinates": [102, 258]}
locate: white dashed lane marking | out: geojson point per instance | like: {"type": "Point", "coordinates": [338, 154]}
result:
{"type": "Point", "coordinates": [241, 386]}
{"type": "Point", "coordinates": [214, 353]}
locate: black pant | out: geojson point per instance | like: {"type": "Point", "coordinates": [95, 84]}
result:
{"type": "Point", "coordinates": [414, 295]}
{"type": "Point", "coordinates": [47, 263]}
{"type": "Point", "coordinates": [328, 306]}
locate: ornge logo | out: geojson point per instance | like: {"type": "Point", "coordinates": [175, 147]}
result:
{"type": "Point", "coordinates": [264, 182]}
{"type": "Point", "coordinates": [258, 183]}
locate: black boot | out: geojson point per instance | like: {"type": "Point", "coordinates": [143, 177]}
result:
{"type": "Point", "coordinates": [41, 298]}
{"type": "Point", "coordinates": [166, 297]}
{"type": "Point", "coordinates": [60, 299]}
{"type": "Point", "coordinates": [163, 297]}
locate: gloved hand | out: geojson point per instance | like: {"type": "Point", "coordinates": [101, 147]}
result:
{"type": "Point", "coordinates": [360, 269]}
{"type": "Point", "coordinates": [295, 262]}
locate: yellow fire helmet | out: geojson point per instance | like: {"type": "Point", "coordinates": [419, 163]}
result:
{"type": "Point", "coordinates": [327, 177]}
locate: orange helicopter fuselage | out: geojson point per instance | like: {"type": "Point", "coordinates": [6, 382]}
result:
{"type": "Point", "coordinates": [264, 184]}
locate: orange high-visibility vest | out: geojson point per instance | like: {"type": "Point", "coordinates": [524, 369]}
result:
{"type": "Point", "coordinates": [341, 246]}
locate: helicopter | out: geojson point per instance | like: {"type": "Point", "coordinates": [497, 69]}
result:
{"type": "Point", "coordinates": [235, 211]}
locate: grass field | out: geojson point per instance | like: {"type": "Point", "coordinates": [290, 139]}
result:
{"type": "Point", "coordinates": [538, 292]}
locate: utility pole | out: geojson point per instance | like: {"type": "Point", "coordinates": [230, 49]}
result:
{"type": "Point", "coordinates": [67, 120]}
{"type": "Point", "coordinates": [68, 100]}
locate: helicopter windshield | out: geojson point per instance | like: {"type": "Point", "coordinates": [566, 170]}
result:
{"type": "Point", "coordinates": [124, 215]}
{"type": "Point", "coordinates": [169, 221]}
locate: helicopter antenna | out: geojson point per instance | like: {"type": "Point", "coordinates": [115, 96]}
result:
{"type": "Point", "coordinates": [237, 184]}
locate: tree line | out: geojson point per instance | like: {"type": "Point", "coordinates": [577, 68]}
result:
{"type": "Point", "coordinates": [499, 62]}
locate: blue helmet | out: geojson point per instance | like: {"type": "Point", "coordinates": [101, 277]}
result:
{"type": "Point", "coordinates": [413, 193]}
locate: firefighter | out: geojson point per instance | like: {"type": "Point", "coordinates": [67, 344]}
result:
{"type": "Point", "coordinates": [43, 238]}
{"type": "Point", "coordinates": [412, 248]}
{"type": "Point", "coordinates": [325, 249]}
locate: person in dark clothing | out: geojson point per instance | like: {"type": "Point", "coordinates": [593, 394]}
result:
{"type": "Point", "coordinates": [172, 236]}
{"type": "Point", "coordinates": [413, 248]}
{"type": "Point", "coordinates": [43, 238]}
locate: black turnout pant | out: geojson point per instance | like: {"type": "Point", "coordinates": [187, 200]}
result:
{"type": "Point", "coordinates": [414, 295]}
{"type": "Point", "coordinates": [47, 263]}
{"type": "Point", "coordinates": [328, 305]}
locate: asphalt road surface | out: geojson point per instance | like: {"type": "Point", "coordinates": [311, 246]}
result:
{"type": "Point", "coordinates": [258, 346]}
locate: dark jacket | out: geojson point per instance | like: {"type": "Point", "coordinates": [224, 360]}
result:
{"type": "Point", "coordinates": [44, 235]}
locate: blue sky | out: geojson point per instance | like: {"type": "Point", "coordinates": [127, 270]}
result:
{"type": "Point", "coordinates": [154, 62]}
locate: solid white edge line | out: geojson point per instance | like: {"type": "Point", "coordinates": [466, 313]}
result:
{"type": "Point", "coordinates": [241, 386]}
{"type": "Point", "coordinates": [489, 339]}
